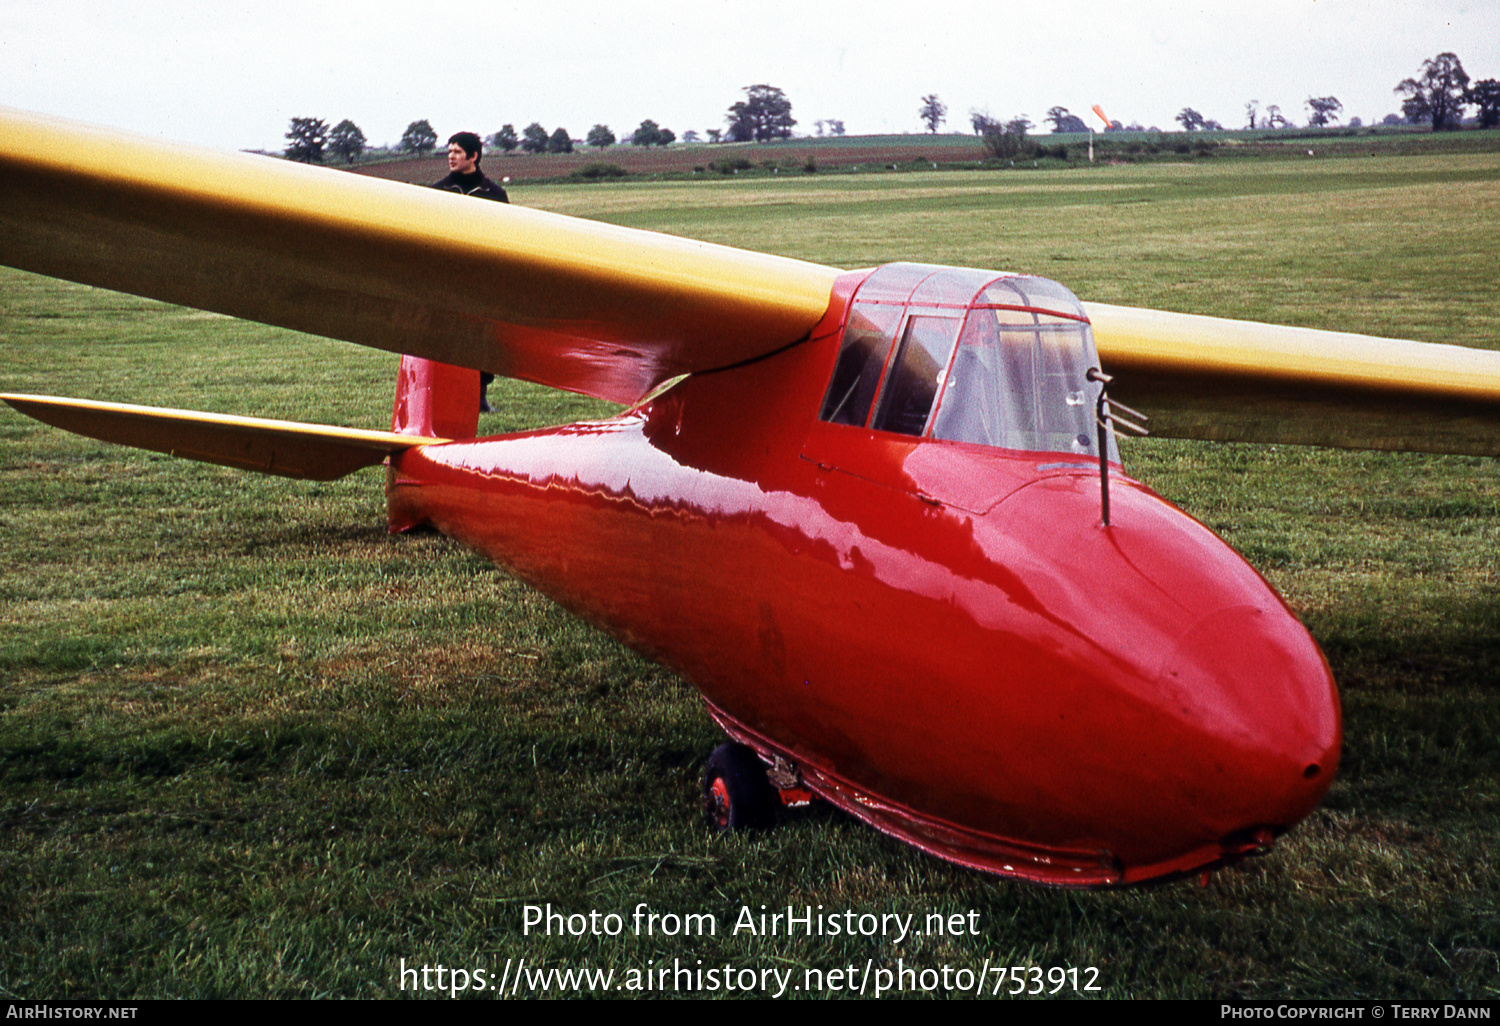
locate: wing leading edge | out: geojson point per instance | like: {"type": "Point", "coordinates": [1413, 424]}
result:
{"type": "Point", "coordinates": [570, 303]}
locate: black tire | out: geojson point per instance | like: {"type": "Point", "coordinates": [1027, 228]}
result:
{"type": "Point", "coordinates": [736, 793]}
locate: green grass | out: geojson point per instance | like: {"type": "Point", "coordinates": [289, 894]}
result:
{"type": "Point", "coordinates": [250, 745]}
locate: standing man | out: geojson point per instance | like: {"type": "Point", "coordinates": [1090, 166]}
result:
{"type": "Point", "coordinates": [464, 176]}
{"type": "Point", "coordinates": [464, 151]}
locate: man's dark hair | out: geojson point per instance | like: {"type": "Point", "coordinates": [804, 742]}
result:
{"type": "Point", "coordinates": [469, 142]}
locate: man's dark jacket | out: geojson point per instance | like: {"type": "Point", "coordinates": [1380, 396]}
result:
{"type": "Point", "coordinates": [472, 184]}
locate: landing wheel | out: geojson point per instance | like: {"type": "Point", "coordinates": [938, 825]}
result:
{"type": "Point", "coordinates": [736, 793]}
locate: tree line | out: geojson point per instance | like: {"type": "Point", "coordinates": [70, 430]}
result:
{"type": "Point", "coordinates": [765, 113]}
{"type": "Point", "coordinates": [1437, 95]}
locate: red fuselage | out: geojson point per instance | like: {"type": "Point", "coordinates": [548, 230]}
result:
{"type": "Point", "coordinates": [941, 636]}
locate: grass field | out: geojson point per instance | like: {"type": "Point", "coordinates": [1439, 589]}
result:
{"type": "Point", "coordinates": [250, 745]}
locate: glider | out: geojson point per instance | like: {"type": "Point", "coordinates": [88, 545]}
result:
{"type": "Point", "coordinates": [876, 517]}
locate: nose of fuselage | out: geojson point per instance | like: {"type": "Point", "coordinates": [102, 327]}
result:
{"type": "Point", "coordinates": [1209, 719]}
{"type": "Point", "coordinates": [1251, 683]}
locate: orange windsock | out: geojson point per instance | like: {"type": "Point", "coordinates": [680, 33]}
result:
{"type": "Point", "coordinates": [1100, 111]}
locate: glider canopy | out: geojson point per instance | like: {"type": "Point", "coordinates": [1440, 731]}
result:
{"type": "Point", "coordinates": [966, 355]}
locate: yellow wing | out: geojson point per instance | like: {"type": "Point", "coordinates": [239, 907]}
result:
{"type": "Point", "coordinates": [281, 447]}
{"type": "Point", "coordinates": [612, 312]}
{"type": "Point", "coordinates": [575, 304]}
{"type": "Point", "coordinates": [1206, 377]}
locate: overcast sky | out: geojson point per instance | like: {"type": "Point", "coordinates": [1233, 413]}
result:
{"type": "Point", "coordinates": [232, 74]}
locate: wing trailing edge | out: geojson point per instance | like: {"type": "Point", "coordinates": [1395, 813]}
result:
{"type": "Point", "coordinates": [285, 448]}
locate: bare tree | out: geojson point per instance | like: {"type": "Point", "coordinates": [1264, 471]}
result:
{"type": "Point", "coordinates": [933, 112]}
